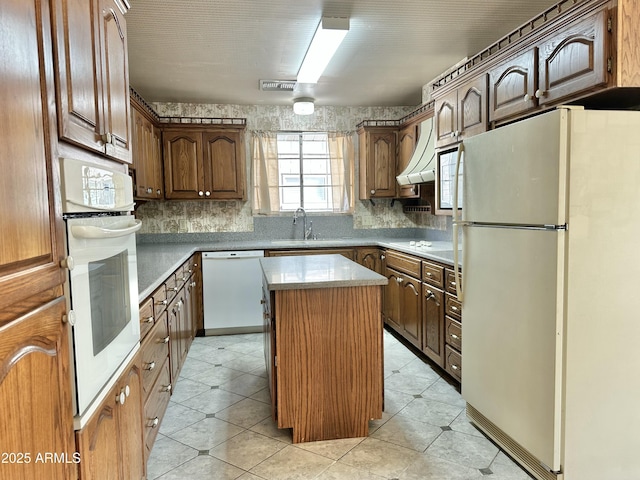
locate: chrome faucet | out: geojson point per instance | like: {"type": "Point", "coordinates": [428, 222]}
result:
{"type": "Point", "coordinates": [307, 231]}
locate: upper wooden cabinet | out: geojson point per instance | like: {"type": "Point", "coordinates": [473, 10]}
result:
{"type": "Point", "coordinates": [206, 163]}
{"type": "Point", "coordinates": [580, 52]}
{"type": "Point", "coordinates": [377, 162]}
{"type": "Point", "coordinates": [573, 60]}
{"type": "Point", "coordinates": [462, 112]}
{"type": "Point", "coordinates": [407, 140]}
{"type": "Point", "coordinates": [92, 76]}
{"type": "Point", "coordinates": [31, 246]}
{"type": "Point", "coordinates": [146, 155]}
{"type": "Point", "coordinates": [561, 66]}
{"type": "Point", "coordinates": [512, 86]}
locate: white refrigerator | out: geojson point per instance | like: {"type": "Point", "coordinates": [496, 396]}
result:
{"type": "Point", "coordinates": [550, 227]}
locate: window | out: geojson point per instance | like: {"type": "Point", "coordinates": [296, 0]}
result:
{"type": "Point", "coordinates": [305, 172]}
{"type": "Point", "coordinates": [312, 170]}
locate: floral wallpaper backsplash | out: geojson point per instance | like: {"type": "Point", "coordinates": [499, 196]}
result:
{"type": "Point", "coordinates": [201, 216]}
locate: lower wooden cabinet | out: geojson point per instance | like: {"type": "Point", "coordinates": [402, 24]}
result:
{"type": "Point", "coordinates": [370, 257]}
{"type": "Point", "coordinates": [110, 444]}
{"type": "Point", "coordinates": [433, 327]}
{"type": "Point", "coordinates": [425, 311]}
{"type": "Point", "coordinates": [177, 312]}
{"type": "Point", "coordinates": [155, 406]}
{"type": "Point", "coordinates": [35, 395]}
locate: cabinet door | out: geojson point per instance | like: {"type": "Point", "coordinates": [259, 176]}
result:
{"type": "Point", "coordinates": [433, 324]}
{"type": "Point", "coordinates": [115, 80]}
{"type": "Point", "coordinates": [472, 107]}
{"type": "Point", "coordinates": [130, 424]}
{"type": "Point", "coordinates": [98, 443]}
{"type": "Point", "coordinates": [411, 309]}
{"type": "Point", "coordinates": [407, 139]}
{"type": "Point", "coordinates": [183, 167]}
{"type": "Point", "coordinates": [378, 156]}
{"type": "Point", "coordinates": [224, 165]}
{"type": "Point", "coordinates": [155, 159]}
{"type": "Point", "coordinates": [35, 392]}
{"type": "Point", "coordinates": [391, 299]}
{"type": "Point", "coordinates": [79, 98]}
{"type": "Point", "coordinates": [573, 60]}
{"type": "Point", "coordinates": [446, 119]}
{"type": "Point", "coordinates": [139, 154]}
{"type": "Point", "coordinates": [30, 245]}
{"type": "Point", "coordinates": [370, 258]}
{"type": "Point", "coordinates": [512, 86]}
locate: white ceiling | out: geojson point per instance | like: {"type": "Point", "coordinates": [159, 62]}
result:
{"type": "Point", "coordinates": [216, 51]}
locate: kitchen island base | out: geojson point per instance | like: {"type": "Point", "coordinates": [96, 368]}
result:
{"type": "Point", "coordinates": [329, 361]}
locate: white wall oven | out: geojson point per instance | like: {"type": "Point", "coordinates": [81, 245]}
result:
{"type": "Point", "coordinates": [103, 277]}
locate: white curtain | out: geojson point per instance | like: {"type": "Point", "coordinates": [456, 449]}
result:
{"type": "Point", "coordinates": [264, 165]}
{"type": "Point", "coordinates": [342, 157]}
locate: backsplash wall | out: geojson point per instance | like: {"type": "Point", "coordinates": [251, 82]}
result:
{"type": "Point", "coordinates": [179, 216]}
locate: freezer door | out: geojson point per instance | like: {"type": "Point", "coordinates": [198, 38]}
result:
{"type": "Point", "coordinates": [513, 331]}
{"type": "Point", "coordinates": [517, 174]}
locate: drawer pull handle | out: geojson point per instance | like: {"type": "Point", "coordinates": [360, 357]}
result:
{"type": "Point", "coordinates": [151, 366]}
{"type": "Point", "coordinates": [382, 257]}
{"type": "Point", "coordinates": [399, 280]}
{"type": "Point", "coordinates": [149, 320]}
{"type": "Point", "coordinates": [165, 339]}
{"type": "Point", "coordinates": [162, 302]}
{"type": "Point", "coordinates": [431, 296]}
{"type": "Point", "coordinates": [455, 309]}
{"type": "Point", "coordinates": [454, 366]}
{"type": "Point", "coordinates": [454, 336]}
{"type": "Point", "coordinates": [193, 284]}
{"type": "Point", "coordinates": [154, 422]}
{"type": "Point", "coordinates": [167, 388]}
{"type": "Point", "coordinates": [429, 274]}
{"type": "Point", "coordinates": [453, 284]}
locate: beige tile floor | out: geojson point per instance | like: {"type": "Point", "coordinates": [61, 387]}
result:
{"type": "Point", "coordinates": [218, 426]}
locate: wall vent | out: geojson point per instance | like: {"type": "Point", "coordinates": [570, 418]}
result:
{"type": "Point", "coordinates": [277, 85]}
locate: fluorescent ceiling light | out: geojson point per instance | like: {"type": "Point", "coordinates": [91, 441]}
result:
{"type": "Point", "coordinates": [303, 106]}
{"type": "Point", "coordinates": [326, 40]}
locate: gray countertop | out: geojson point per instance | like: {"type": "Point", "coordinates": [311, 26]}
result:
{"type": "Point", "coordinates": [316, 271]}
{"type": "Point", "coordinates": [157, 260]}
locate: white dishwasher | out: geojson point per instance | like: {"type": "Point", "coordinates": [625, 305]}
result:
{"type": "Point", "coordinates": [232, 290]}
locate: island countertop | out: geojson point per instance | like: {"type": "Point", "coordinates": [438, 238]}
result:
{"type": "Point", "coordinates": [316, 271]}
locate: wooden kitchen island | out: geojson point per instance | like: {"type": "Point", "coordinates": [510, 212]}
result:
{"type": "Point", "coordinates": [323, 345]}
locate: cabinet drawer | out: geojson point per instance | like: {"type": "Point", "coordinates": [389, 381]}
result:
{"type": "Point", "coordinates": [453, 362]}
{"type": "Point", "coordinates": [432, 273]}
{"type": "Point", "coordinates": [453, 307]}
{"type": "Point", "coordinates": [155, 407]}
{"type": "Point", "coordinates": [453, 333]}
{"type": "Point", "coordinates": [450, 281]}
{"type": "Point", "coordinates": [154, 351]}
{"type": "Point", "coordinates": [146, 317]}
{"type": "Point", "coordinates": [404, 263]}
{"type": "Point", "coordinates": [160, 300]}
{"type": "Point", "coordinates": [171, 284]}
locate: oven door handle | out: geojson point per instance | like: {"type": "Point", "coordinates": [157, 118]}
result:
{"type": "Point", "coordinates": [89, 231]}
{"type": "Point", "coordinates": [117, 208]}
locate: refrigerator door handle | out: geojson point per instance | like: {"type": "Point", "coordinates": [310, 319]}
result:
{"type": "Point", "coordinates": [456, 222]}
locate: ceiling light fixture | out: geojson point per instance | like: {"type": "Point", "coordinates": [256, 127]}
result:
{"type": "Point", "coordinates": [303, 106]}
{"type": "Point", "coordinates": [326, 40]}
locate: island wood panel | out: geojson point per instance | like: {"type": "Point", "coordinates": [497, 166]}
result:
{"type": "Point", "coordinates": [329, 361]}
